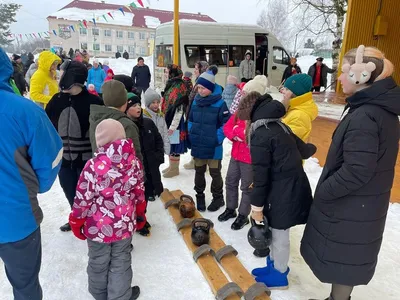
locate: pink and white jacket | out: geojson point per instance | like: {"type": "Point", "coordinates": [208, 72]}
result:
{"type": "Point", "coordinates": [234, 130]}
{"type": "Point", "coordinates": [108, 191]}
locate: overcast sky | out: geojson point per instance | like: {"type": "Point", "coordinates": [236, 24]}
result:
{"type": "Point", "coordinates": [33, 13]}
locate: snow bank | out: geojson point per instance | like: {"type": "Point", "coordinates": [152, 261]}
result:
{"type": "Point", "coordinates": [152, 22]}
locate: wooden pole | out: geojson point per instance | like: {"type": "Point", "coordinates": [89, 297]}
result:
{"type": "Point", "coordinates": [176, 32]}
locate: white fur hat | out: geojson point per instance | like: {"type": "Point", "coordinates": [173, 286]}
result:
{"type": "Point", "coordinates": [258, 84]}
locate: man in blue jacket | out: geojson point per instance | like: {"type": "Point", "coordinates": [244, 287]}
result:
{"type": "Point", "coordinates": [31, 152]}
{"type": "Point", "coordinates": [207, 118]}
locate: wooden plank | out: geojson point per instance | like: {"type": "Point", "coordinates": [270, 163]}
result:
{"type": "Point", "coordinates": [231, 264]}
{"type": "Point", "coordinates": [207, 263]}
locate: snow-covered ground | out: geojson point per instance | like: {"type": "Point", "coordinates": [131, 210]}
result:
{"type": "Point", "coordinates": [163, 266]}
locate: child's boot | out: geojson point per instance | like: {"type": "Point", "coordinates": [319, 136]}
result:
{"type": "Point", "coordinates": [275, 280]}
{"type": "Point", "coordinates": [173, 167]}
{"type": "Point", "coordinates": [264, 270]}
{"type": "Point", "coordinates": [201, 202]}
{"type": "Point", "coordinates": [227, 214]}
{"type": "Point", "coordinates": [189, 165]}
{"type": "Point", "coordinates": [216, 204]}
{"type": "Point", "coordinates": [240, 222]}
{"type": "Point", "coordinates": [135, 293]}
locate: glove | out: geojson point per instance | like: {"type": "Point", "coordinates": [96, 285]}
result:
{"type": "Point", "coordinates": [141, 215]}
{"type": "Point", "coordinates": [76, 227]}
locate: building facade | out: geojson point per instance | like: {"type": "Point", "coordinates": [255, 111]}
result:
{"type": "Point", "coordinates": [114, 28]}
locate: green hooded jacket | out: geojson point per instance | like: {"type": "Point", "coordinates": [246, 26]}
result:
{"type": "Point", "coordinates": [99, 113]}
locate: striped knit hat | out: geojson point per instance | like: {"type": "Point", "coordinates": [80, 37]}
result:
{"type": "Point", "coordinates": [207, 79]}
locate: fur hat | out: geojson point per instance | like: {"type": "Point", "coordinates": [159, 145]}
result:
{"type": "Point", "coordinates": [114, 93]}
{"type": "Point", "coordinates": [232, 79]}
{"type": "Point", "coordinates": [299, 84]}
{"type": "Point", "coordinates": [207, 79]}
{"type": "Point", "coordinates": [150, 96]}
{"type": "Point", "coordinates": [258, 84]}
{"type": "Point", "coordinates": [75, 73]}
{"type": "Point", "coordinates": [108, 131]}
{"type": "Point", "coordinates": [246, 105]}
{"type": "Point", "coordinates": [15, 57]}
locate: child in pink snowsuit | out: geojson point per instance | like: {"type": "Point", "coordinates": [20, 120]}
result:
{"type": "Point", "coordinates": [109, 205]}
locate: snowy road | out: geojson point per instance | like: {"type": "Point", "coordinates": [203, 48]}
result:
{"type": "Point", "coordinates": [164, 268]}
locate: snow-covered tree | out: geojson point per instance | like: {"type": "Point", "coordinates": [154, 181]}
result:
{"type": "Point", "coordinates": [7, 17]}
{"type": "Point", "coordinates": [275, 18]}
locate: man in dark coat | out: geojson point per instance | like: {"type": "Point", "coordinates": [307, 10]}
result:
{"type": "Point", "coordinates": [319, 73]}
{"type": "Point", "coordinates": [19, 74]}
{"type": "Point", "coordinates": [152, 146]}
{"type": "Point", "coordinates": [69, 112]}
{"type": "Point", "coordinates": [125, 55]}
{"type": "Point", "coordinates": [344, 232]}
{"type": "Point", "coordinates": [117, 54]}
{"type": "Point", "coordinates": [291, 70]}
{"type": "Point", "coordinates": [141, 76]}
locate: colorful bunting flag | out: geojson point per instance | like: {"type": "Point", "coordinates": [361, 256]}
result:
{"type": "Point", "coordinates": [85, 23]}
{"type": "Point", "coordinates": [104, 16]}
{"type": "Point", "coordinates": [133, 5]}
{"type": "Point", "coordinates": [121, 10]}
{"type": "Point", "coordinates": [55, 33]}
{"type": "Point", "coordinates": [39, 35]}
{"type": "Point", "coordinates": [34, 35]}
{"type": "Point", "coordinates": [140, 2]}
{"type": "Point", "coordinates": [94, 22]}
{"type": "Point", "coordinates": [72, 28]}
{"type": "Point", "coordinates": [128, 7]}
{"type": "Point", "coordinates": [110, 15]}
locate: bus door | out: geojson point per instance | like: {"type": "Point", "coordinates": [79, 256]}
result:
{"type": "Point", "coordinates": [261, 58]}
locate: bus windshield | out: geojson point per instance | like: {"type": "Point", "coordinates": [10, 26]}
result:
{"type": "Point", "coordinates": [164, 55]}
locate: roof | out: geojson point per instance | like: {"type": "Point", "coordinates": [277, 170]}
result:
{"type": "Point", "coordinates": [141, 16]}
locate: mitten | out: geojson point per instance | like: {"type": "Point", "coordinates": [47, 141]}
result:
{"type": "Point", "coordinates": [76, 227]}
{"type": "Point", "coordinates": [140, 215]}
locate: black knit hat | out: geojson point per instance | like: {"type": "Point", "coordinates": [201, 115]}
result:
{"type": "Point", "coordinates": [126, 80]}
{"type": "Point", "coordinates": [75, 73]}
{"type": "Point", "coordinates": [132, 100]}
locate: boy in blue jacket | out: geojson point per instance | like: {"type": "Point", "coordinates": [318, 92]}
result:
{"type": "Point", "coordinates": [207, 118]}
{"type": "Point", "coordinates": [31, 153]}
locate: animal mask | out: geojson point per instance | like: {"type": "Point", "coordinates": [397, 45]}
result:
{"type": "Point", "coordinates": [359, 72]}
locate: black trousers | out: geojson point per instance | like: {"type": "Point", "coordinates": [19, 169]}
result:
{"type": "Point", "coordinates": [316, 89]}
{"type": "Point", "coordinates": [22, 261]}
{"type": "Point", "coordinates": [217, 184]}
{"type": "Point", "coordinates": [68, 180]}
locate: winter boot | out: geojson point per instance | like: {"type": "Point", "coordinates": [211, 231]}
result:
{"type": "Point", "coordinates": [227, 214]}
{"type": "Point", "coordinates": [261, 252]}
{"type": "Point", "coordinates": [265, 270]}
{"type": "Point", "coordinates": [275, 280]}
{"type": "Point", "coordinates": [151, 199]}
{"type": "Point", "coordinates": [240, 222]}
{"type": "Point", "coordinates": [216, 204]}
{"type": "Point", "coordinates": [166, 170]}
{"type": "Point", "coordinates": [135, 293]}
{"type": "Point", "coordinates": [145, 231]}
{"type": "Point", "coordinates": [201, 202]}
{"type": "Point", "coordinates": [173, 167]}
{"type": "Point", "coordinates": [65, 228]}
{"type": "Point", "coordinates": [189, 165]}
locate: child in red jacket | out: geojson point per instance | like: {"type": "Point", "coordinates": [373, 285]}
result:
{"type": "Point", "coordinates": [110, 75]}
{"type": "Point", "coordinates": [109, 205]}
{"type": "Point", "coordinates": [239, 170]}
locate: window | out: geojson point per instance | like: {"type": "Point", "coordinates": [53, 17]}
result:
{"type": "Point", "coordinates": [236, 54]}
{"type": "Point", "coordinates": [96, 47]}
{"type": "Point", "coordinates": [280, 56]}
{"type": "Point", "coordinates": [83, 31]}
{"type": "Point", "coordinates": [131, 50]}
{"type": "Point", "coordinates": [95, 31]}
{"type": "Point", "coordinates": [107, 32]}
{"type": "Point", "coordinates": [152, 36]}
{"type": "Point", "coordinates": [142, 51]}
{"type": "Point", "coordinates": [84, 46]}
{"type": "Point", "coordinates": [107, 48]}
{"type": "Point", "coordinates": [214, 55]}
{"type": "Point", "coordinates": [142, 35]}
{"type": "Point", "coordinates": [120, 49]}
{"type": "Point", "coordinates": [131, 35]}
{"type": "Point", "coordinates": [120, 34]}
{"type": "Point", "coordinates": [164, 55]}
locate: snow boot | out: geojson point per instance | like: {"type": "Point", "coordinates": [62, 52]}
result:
{"type": "Point", "coordinates": [166, 170]}
{"type": "Point", "coordinates": [240, 222]}
{"type": "Point", "coordinates": [275, 280]}
{"type": "Point", "coordinates": [227, 214]}
{"type": "Point", "coordinates": [151, 199]}
{"type": "Point", "coordinates": [65, 228]}
{"type": "Point", "coordinates": [264, 270]}
{"type": "Point", "coordinates": [201, 202]}
{"type": "Point", "coordinates": [135, 293]}
{"type": "Point", "coordinates": [216, 204]}
{"type": "Point", "coordinates": [173, 167]}
{"type": "Point", "coordinates": [145, 231]}
{"type": "Point", "coordinates": [261, 252]}
{"type": "Point", "coordinates": [189, 165]}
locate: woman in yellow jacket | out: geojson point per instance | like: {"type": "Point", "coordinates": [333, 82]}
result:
{"type": "Point", "coordinates": [302, 109]}
{"type": "Point", "coordinates": [43, 83]}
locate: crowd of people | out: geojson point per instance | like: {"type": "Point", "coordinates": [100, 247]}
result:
{"type": "Point", "coordinates": [107, 151]}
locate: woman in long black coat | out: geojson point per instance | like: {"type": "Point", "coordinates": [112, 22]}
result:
{"type": "Point", "coordinates": [344, 232]}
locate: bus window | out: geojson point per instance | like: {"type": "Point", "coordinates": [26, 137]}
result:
{"type": "Point", "coordinates": [214, 55]}
{"type": "Point", "coordinates": [164, 55]}
{"type": "Point", "coordinates": [280, 56]}
{"type": "Point", "coordinates": [236, 54]}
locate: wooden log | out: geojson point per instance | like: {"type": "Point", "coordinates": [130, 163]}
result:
{"type": "Point", "coordinates": [207, 263]}
{"type": "Point", "coordinates": [230, 263]}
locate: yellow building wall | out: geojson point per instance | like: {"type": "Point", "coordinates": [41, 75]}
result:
{"type": "Point", "coordinates": [359, 29]}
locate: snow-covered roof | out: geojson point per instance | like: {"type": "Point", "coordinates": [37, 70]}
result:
{"type": "Point", "coordinates": [137, 17]}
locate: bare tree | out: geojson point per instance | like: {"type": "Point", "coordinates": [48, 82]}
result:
{"type": "Point", "coordinates": [325, 17]}
{"type": "Point", "coordinates": [275, 18]}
